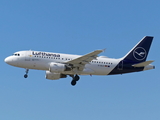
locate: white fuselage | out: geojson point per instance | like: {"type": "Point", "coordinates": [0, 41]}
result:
{"type": "Point", "coordinates": [42, 60]}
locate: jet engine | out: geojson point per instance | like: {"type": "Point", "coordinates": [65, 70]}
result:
{"type": "Point", "coordinates": [58, 67]}
{"type": "Point", "coordinates": [54, 76]}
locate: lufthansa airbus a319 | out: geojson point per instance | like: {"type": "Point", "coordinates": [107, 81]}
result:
{"type": "Point", "coordinates": [59, 65]}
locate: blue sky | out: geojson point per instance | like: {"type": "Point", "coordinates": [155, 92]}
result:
{"type": "Point", "coordinates": [79, 27]}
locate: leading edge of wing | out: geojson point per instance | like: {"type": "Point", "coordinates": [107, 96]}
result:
{"type": "Point", "coordinates": [85, 58]}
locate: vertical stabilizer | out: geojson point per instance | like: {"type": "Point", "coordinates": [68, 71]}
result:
{"type": "Point", "coordinates": [140, 51]}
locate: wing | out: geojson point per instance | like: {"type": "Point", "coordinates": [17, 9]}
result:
{"type": "Point", "coordinates": [81, 61]}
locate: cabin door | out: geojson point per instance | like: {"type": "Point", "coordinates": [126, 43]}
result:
{"type": "Point", "coordinates": [120, 65]}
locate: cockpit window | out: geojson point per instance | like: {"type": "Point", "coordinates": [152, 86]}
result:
{"type": "Point", "coordinates": [16, 54]}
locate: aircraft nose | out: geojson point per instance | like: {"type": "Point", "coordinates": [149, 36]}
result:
{"type": "Point", "coordinates": [8, 60]}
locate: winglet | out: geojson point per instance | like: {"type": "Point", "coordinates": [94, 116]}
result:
{"type": "Point", "coordinates": [104, 50]}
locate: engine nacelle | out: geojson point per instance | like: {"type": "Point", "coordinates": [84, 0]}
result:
{"type": "Point", "coordinates": [58, 67]}
{"type": "Point", "coordinates": [54, 76]}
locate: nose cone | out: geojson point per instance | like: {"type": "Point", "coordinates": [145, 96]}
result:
{"type": "Point", "coordinates": [11, 60]}
{"type": "Point", "coordinates": [8, 60]}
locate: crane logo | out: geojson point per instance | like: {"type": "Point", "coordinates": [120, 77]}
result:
{"type": "Point", "coordinates": [139, 53]}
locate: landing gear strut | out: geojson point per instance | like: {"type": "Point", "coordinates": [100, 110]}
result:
{"type": "Point", "coordinates": [75, 79]}
{"type": "Point", "coordinates": [26, 75]}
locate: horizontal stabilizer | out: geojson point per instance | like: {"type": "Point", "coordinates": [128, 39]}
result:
{"type": "Point", "coordinates": [143, 64]}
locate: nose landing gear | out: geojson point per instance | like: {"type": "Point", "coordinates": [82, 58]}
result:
{"type": "Point", "coordinates": [26, 75]}
{"type": "Point", "coordinates": [75, 79]}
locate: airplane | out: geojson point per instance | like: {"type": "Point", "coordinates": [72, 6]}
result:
{"type": "Point", "coordinates": [58, 65]}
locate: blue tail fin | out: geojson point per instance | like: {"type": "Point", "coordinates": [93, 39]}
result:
{"type": "Point", "coordinates": [140, 51]}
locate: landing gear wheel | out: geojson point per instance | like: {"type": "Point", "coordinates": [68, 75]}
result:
{"type": "Point", "coordinates": [76, 78]}
{"type": "Point", "coordinates": [73, 82]}
{"type": "Point", "coordinates": [25, 76]}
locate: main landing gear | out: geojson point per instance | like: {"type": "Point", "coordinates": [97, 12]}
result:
{"type": "Point", "coordinates": [26, 75]}
{"type": "Point", "coordinates": [75, 79]}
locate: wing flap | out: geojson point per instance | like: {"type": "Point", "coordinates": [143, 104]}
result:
{"type": "Point", "coordinates": [143, 64]}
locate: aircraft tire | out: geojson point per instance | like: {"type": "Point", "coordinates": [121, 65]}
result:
{"type": "Point", "coordinates": [73, 82]}
{"type": "Point", "coordinates": [25, 76]}
{"type": "Point", "coordinates": [76, 78]}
